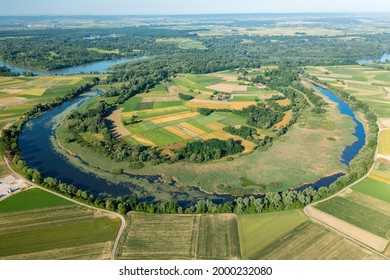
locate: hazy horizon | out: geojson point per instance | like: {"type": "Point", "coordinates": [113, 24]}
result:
{"type": "Point", "coordinates": [187, 7]}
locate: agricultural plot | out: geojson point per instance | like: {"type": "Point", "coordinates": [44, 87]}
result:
{"type": "Point", "coordinates": [183, 43]}
{"type": "Point", "coordinates": [364, 82]}
{"type": "Point", "coordinates": [165, 120]}
{"type": "Point", "coordinates": [374, 188]}
{"type": "Point", "coordinates": [19, 94]}
{"type": "Point", "coordinates": [384, 143]}
{"type": "Point", "coordinates": [40, 225]}
{"type": "Point", "coordinates": [257, 231]}
{"type": "Point", "coordinates": [149, 236]}
{"type": "Point", "coordinates": [359, 215]}
{"type": "Point", "coordinates": [310, 241]}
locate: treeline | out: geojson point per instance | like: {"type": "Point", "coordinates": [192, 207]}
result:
{"type": "Point", "coordinates": [185, 97]}
{"type": "Point", "coordinates": [261, 117]}
{"type": "Point", "coordinates": [6, 72]}
{"type": "Point", "coordinates": [211, 149]}
{"type": "Point", "coordinates": [250, 134]}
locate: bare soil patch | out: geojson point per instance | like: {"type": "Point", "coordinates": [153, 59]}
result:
{"type": "Point", "coordinates": [119, 128]}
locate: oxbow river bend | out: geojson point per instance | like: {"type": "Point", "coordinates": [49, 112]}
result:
{"type": "Point", "coordinates": [37, 145]}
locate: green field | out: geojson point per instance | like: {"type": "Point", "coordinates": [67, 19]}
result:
{"type": "Point", "coordinates": [374, 188]}
{"type": "Point", "coordinates": [30, 200]}
{"type": "Point", "coordinates": [184, 43]}
{"type": "Point", "coordinates": [149, 236]}
{"type": "Point", "coordinates": [257, 231]}
{"type": "Point", "coordinates": [357, 214]}
{"type": "Point", "coordinates": [310, 241]}
{"type": "Point", "coordinates": [39, 225]}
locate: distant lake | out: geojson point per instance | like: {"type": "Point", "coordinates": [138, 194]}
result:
{"type": "Point", "coordinates": [100, 67]}
{"type": "Point", "coordinates": [383, 59]}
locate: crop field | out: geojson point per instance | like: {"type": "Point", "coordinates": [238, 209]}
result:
{"type": "Point", "coordinates": [384, 143]}
{"type": "Point", "coordinates": [257, 231]}
{"type": "Point", "coordinates": [359, 215]}
{"type": "Point", "coordinates": [310, 241]}
{"type": "Point", "coordinates": [165, 120]}
{"type": "Point", "coordinates": [184, 43]}
{"type": "Point", "coordinates": [149, 236]}
{"type": "Point", "coordinates": [374, 188]}
{"type": "Point", "coordinates": [40, 225]}
{"type": "Point", "coordinates": [366, 83]}
{"type": "Point", "coordinates": [19, 94]}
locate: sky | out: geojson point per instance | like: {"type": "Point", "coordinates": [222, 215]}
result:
{"type": "Point", "coordinates": [171, 7]}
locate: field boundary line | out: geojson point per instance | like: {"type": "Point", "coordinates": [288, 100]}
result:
{"type": "Point", "coordinates": [306, 212]}
{"type": "Point", "coordinates": [117, 215]}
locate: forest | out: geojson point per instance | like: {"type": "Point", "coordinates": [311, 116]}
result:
{"type": "Point", "coordinates": [50, 49]}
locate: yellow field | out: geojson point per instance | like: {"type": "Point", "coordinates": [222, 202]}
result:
{"type": "Point", "coordinates": [380, 178]}
{"type": "Point", "coordinates": [216, 126]}
{"type": "Point", "coordinates": [198, 103]}
{"type": "Point", "coordinates": [174, 117]}
{"type": "Point", "coordinates": [384, 143]}
{"type": "Point", "coordinates": [159, 111]}
{"type": "Point", "coordinates": [228, 87]}
{"type": "Point", "coordinates": [177, 132]}
{"type": "Point", "coordinates": [143, 140]}
{"type": "Point", "coordinates": [286, 119]}
{"type": "Point", "coordinates": [34, 91]}
{"type": "Point", "coordinates": [284, 102]}
{"type": "Point", "coordinates": [241, 105]}
{"type": "Point", "coordinates": [192, 128]}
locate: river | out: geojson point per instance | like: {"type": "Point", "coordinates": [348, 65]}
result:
{"type": "Point", "coordinates": [38, 148]}
{"type": "Point", "coordinates": [93, 67]}
{"type": "Point", "coordinates": [384, 58]}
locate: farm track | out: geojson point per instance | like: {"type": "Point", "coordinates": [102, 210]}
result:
{"type": "Point", "coordinates": [306, 210]}
{"type": "Point", "coordinates": [123, 221]}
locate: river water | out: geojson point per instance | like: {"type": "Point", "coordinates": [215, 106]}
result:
{"type": "Point", "coordinates": [37, 146]}
{"type": "Point", "coordinates": [384, 58]}
{"type": "Point", "coordinates": [93, 67]}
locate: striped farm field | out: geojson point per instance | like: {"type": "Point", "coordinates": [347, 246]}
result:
{"type": "Point", "coordinates": [384, 143]}
{"type": "Point", "coordinates": [175, 117]}
{"type": "Point", "coordinates": [310, 241]}
{"type": "Point", "coordinates": [177, 132]}
{"type": "Point", "coordinates": [151, 236]}
{"type": "Point", "coordinates": [192, 128]}
{"type": "Point", "coordinates": [361, 216]}
{"type": "Point", "coordinates": [40, 225]}
{"type": "Point", "coordinates": [257, 231]}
